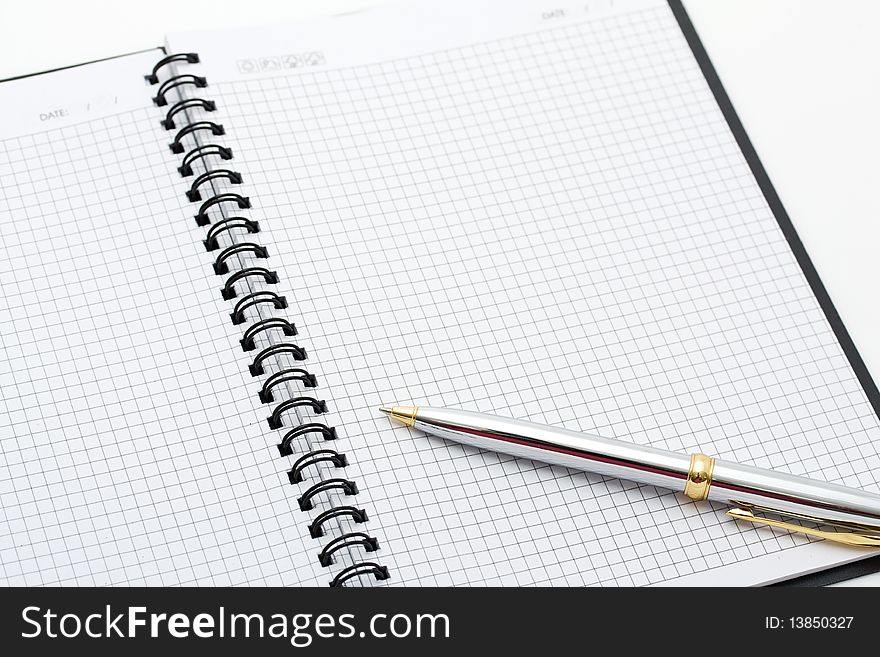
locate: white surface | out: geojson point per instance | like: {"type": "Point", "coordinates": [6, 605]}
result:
{"type": "Point", "coordinates": [802, 75]}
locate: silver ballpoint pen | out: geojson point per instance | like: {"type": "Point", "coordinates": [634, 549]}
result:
{"type": "Point", "coordinates": [748, 489]}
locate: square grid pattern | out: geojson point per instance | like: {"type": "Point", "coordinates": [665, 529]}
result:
{"type": "Point", "coordinates": [131, 449]}
{"type": "Point", "coordinates": [556, 226]}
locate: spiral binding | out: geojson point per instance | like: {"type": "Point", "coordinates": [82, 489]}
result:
{"type": "Point", "coordinates": [239, 277]}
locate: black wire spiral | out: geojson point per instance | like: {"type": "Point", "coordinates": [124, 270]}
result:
{"type": "Point", "coordinates": [306, 466]}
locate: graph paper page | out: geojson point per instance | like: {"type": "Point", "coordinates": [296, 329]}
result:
{"type": "Point", "coordinates": [544, 215]}
{"type": "Point", "coordinates": [132, 451]}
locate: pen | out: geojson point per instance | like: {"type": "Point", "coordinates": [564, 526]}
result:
{"type": "Point", "coordinates": [748, 489]}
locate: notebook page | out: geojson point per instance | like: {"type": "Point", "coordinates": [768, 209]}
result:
{"type": "Point", "coordinates": [132, 450]}
{"type": "Point", "coordinates": [541, 214]}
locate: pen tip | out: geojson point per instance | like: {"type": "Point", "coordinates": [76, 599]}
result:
{"type": "Point", "coordinates": [406, 415]}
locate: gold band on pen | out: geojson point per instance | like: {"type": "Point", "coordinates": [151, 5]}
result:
{"type": "Point", "coordinates": [699, 477]}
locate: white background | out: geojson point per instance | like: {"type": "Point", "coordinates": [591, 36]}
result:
{"type": "Point", "coordinates": [803, 75]}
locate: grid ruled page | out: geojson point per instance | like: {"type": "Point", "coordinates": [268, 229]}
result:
{"type": "Point", "coordinates": [131, 449]}
{"type": "Point", "coordinates": [551, 221]}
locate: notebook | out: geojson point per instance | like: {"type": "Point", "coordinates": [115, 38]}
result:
{"type": "Point", "coordinates": [213, 277]}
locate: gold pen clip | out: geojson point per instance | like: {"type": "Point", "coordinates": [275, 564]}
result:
{"type": "Point", "coordinates": [854, 538]}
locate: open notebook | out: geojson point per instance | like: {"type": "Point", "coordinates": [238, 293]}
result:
{"type": "Point", "coordinates": [545, 214]}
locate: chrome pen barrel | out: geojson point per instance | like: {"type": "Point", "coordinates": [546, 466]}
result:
{"type": "Point", "coordinates": [791, 495]}
{"type": "Point", "coordinates": [557, 446]}
{"type": "Point", "coordinates": [698, 476]}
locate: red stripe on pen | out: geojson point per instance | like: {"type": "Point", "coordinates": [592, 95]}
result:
{"type": "Point", "coordinates": [589, 456]}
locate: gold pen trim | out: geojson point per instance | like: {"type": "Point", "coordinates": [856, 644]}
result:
{"type": "Point", "coordinates": [853, 539]}
{"type": "Point", "coordinates": [699, 477]}
{"type": "Point", "coordinates": [406, 415]}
